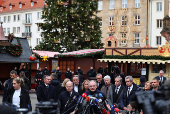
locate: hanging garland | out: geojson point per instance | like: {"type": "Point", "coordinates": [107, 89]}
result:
{"type": "Point", "coordinates": [15, 49]}
{"type": "Point", "coordinates": [80, 55]}
{"type": "Point", "coordinates": [153, 57]}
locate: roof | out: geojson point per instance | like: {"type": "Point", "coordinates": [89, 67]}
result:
{"type": "Point", "coordinates": [26, 5]}
{"type": "Point", "coordinates": [111, 38]}
{"type": "Point", "coordinates": [23, 58]}
{"type": "Point", "coordinates": [47, 53]}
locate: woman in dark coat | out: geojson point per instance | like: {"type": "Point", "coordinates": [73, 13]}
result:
{"type": "Point", "coordinates": [85, 86]}
{"type": "Point", "coordinates": [63, 86]}
{"type": "Point", "coordinates": [19, 95]}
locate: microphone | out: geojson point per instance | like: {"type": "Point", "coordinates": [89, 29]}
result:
{"type": "Point", "coordinates": [74, 99]}
{"type": "Point", "coordinates": [80, 100]}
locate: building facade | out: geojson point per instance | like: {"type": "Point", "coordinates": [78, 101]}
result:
{"type": "Point", "coordinates": [156, 23]}
{"type": "Point", "coordinates": [20, 18]}
{"type": "Point", "coordinates": [125, 20]}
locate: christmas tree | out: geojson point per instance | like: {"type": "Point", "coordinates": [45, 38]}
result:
{"type": "Point", "coordinates": [71, 24]}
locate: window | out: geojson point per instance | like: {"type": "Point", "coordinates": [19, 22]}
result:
{"type": "Point", "coordinates": [109, 43]}
{"type": "Point", "coordinates": [39, 15]}
{"type": "Point", "coordinates": [18, 29]}
{"type": "Point", "coordinates": [28, 18]}
{"type": "Point", "coordinates": [38, 28]}
{"type": "Point", "coordinates": [110, 34]}
{"type": "Point", "coordinates": [4, 29]}
{"type": "Point", "coordinates": [169, 5]}
{"type": "Point", "coordinates": [159, 6]}
{"type": "Point", "coordinates": [137, 20]}
{"type": "Point", "coordinates": [27, 29]}
{"type": "Point", "coordinates": [123, 20]}
{"type": "Point", "coordinates": [136, 35]}
{"type": "Point", "coordinates": [29, 41]}
{"type": "Point", "coordinates": [20, 5]}
{"type": "Point", "coordinates": [10, 6]}
{"type": "Point", "coordinates": [4, 19]}
{"type": "Point", "coordinates": [14, 18]}
{"type": "Point", "coordinates": [32, 3]}
{"type": "Point", "coordinates": [137, 3]}
{"type": "Point", "coordinates": [124, 3]}
{"type": "Point", "coordinates": [100, 5]}
{"type": "Point", "coordinates": [159, 23]}
{"type": "Point", "coordinates": [1, 8]}
{"type": "Point", "coordinates": [8, 30]}
{"type": "Point", "coordinates": [38, 41]}
{"type": "Point", "coordinates": [9, 18]}
{"type": "Point", "coordinates": [123, 38]}
{"type": "Point", "coordinates": [111, 6]}
{"type": "Point", "coordinates": [18, 17]}
{"type": "Point", "coordinates": [0, 19]}
{"type": "Point", "coordinates": [14, 30]}
{"type": "Point", "coordinates": [111, 21]}
{"type": "Point", "coordinates": [157, 67]}
{"type": "Point", "coordinates": [158, 40]}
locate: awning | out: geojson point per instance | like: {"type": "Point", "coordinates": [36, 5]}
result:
{"type": "Point", "coordinates": [134, 61]}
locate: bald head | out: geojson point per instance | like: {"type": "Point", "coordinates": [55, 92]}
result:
{"type": "Point", "coordinates": [69, 86]}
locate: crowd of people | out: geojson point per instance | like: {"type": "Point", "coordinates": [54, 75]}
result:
{"type": "Point", "coordinates": [116, 89]}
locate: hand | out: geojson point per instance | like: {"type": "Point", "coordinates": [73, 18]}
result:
{"type": "Point", "coordinates": [108, 107]}
{"type": "Point", "coordinates": [40, 79]}
{"type": "Point", "coordinates": [125, 108]}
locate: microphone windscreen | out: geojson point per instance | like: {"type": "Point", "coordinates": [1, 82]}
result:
{"type": "Point", "coordinates": [84, 95]}
{"type": "Point", "coordinates": [75, 98]}
{"type": "Point", "coordinates": [87, 98]}
{"type": "Point", "coordinates": [112, 107]}
{"type": "Point", "coordinates": [116, 110]}
{"type": "Point", "coordinates": [100, 95]}
{"type": "Point", "coordinates": [96, 100]}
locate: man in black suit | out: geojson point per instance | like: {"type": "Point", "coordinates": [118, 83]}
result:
{"type": "Point", "coordinates": [46, 91]}
{"type": "Point", "coordinates": [100, 81]}
{"type": "Point", "coordinates": [77, 85]}
{"type": "Point", "coordinates": [67, 99]}
{"type": "Point", "coordinates": [91, 73]}
{"type": "Point", "coordinates": [59, 73]}
{"type": "Point", "coordinates": [161, 78]}
{"type": "Point", "coordinates": [115, 92]}
{"type": "Point", "coordinates": [79, 71]}
{"type": "Point", "coordinates": [128, 94]}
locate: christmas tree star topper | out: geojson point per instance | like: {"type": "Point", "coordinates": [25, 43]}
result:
{"type": "Point", "coordinates": [45, 58]}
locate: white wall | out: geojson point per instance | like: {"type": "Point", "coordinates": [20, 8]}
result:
{"type": "Point", "coordinates": [154, 15]}
{"type": "Point", "coordinates": [11, 24]}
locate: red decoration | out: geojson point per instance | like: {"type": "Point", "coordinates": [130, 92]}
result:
{"type": "Point", "coordinates": [32, 58]}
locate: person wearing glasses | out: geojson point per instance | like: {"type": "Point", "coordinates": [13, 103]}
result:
{"type": "Point", "coordinates": [100, 81]}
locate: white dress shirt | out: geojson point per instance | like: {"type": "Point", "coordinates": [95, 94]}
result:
{"type": "Point", "coordinates": [16, 98]}
{"type": "Point", "coordinates": [130, 89]}
{"type": "Point", "coordinates": [76, 88]}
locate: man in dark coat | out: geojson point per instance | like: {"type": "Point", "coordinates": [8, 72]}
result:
{"type": "Point", "coordinates": [81, 78]}
{"type": "Point", "coordinates": [161, 78]}
{"type": "Point", "coordinates": [128, 94]}
{"type": "Point", "coordinates": [56, 83]}
{"type": "Point", "coordinates": [100, 81]}
{"type": "Point", "coordinates": [25, 70]}
{"type": "Point", "coordinates": [46, 71]}
{"type": "Point", "coordinates": [115, 92]}
{"type": "Point", "coordinates": [100, 70]}
{"type": "Point", "coordinates": [77, 85]}
{"type": "Point", "coordinates": [19, 92]}
{"type": "Point", "coordinates": [93, 91]}
{"type": "Point", "coordinates": [67, 99]}
{"type": "Point", "coordinates": [39, 76]}
{"type": "Point", "coordinates": [59, 73]}
{"type": "Point", "coordinates": [46, 91]}
{"type": "Point", "coordinates": [26, 80]}
{"type": "Point", "coordinates": [8, 84]}
{"type": "Point", "coordinates": [106, 70]}
{"type": "Point", "coordinates": [79, 71]}
{"type": "Point", "coordinates": [68, 74]}
{"type": "Point", "coordinates": [91, 73]}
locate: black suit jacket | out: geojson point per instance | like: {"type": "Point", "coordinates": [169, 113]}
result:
{"type": "Point", "coordinates": [116, 97]}
{"type": "Point", "coordinates": [158, 78]}
{"type": "Point", "coordinates": [100, 85]}
{"type": "Point", "coordinates": [44, 95]}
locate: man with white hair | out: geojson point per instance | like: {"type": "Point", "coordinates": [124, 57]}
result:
{"type": "Point", "coordinates": [161, 78]}
{"type": "Point", "coordinates": [100, 81]}
{"type": "Point", "coordinates": [105, 87]}
{"type": "Point", "coordinates": [128, 94]}
{"type": "Point", "coordinates": [66, 98]}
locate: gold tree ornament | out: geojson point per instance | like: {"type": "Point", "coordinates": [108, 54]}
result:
{"type": "Point", "coordinates": [87, 39]}
{"type": "Point", "coordinates": [45, 58]}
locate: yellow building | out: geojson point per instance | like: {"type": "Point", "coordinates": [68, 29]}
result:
{"type": "Point", "coordinates": [125, 20]}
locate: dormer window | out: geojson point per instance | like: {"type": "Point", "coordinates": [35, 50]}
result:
{"type": "Point", "coordinates": [20, 5]}
{"type": "Point", "coordinates": [32, 3]}
{"type": "Point", "coordinates": [10, 7]}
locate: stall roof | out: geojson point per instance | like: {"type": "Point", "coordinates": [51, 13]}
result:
{"type": "Point", "coordinates": [47, 53]}
{"type": "Point", "coordinates": [23, 58]}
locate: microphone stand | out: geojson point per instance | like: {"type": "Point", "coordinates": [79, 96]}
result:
{"type": "Point", "coordinates": [69, 108]}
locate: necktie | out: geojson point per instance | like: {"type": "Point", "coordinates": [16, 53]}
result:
{"type": "Point", "coordinates": [47, 87]}
{"type": "Point", "coordinates": [128, 91]}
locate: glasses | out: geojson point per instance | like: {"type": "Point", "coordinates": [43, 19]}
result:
{"type": "Point", "coordinates": [93, 86]}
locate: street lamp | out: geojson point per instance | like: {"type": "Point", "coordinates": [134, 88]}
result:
{"type": "Point", "coordinates": [166, 21]}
